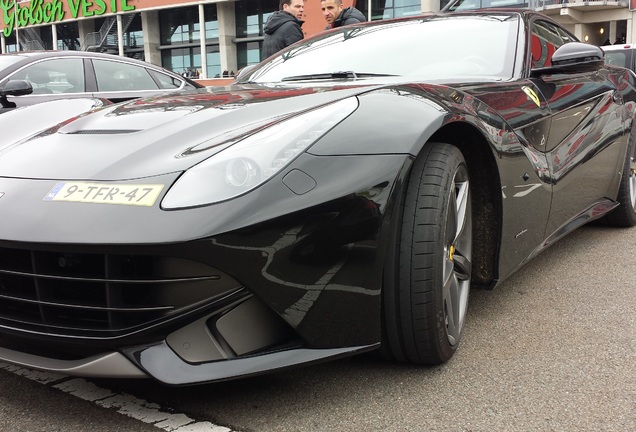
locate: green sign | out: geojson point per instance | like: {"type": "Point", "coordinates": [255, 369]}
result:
{"type": "Point", "coordinates": [44, 12]}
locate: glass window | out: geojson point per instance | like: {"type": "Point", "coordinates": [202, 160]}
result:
{"type": "Point", "coordinates": [46, 38]}
{"type": "Point", "coordinates": [68, 36]}
{"type": "Point", "coordinates": [134, 35]}
{"type": "Point", "coordinates": [385, 9]}
{"type": "Point", "coordinates": [248, 53]}
{"type": "Point", "coordinates": [184, 61]}
{"type": "Point", "coordinates": [165, 81]}
{"type": "Point", "coordinates": [115, 76]}
{"type": "Point", "coordinates": [212, 49]}
{"type": "Point", "coordinates": [179, 26]}
{"type": "Point", "coordinates": [134, 39]}
{"type": "Point", "coordinates": [251, 16]}
{"type": "Point", "coordinates": [211, 23]}
{"type": "Point", "coordinates": [477, 4]}
{"type": "Point", "coordinates": [185, 58]}
{"type": "Point", "coordinates": [488, 53]}
{"type": "Point", "coordinates": [11, 43]}
{"type": "Point", "coordinates": [213, 59]}
{"type": "Point", "coordinates": [618, 58]}
{"type": "Point", "coordinates": [54, 76]}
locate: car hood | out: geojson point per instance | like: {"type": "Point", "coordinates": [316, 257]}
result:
{"type": "Point", "coordinates": [148, 137]}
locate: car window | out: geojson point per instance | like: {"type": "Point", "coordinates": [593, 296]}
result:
{"type": "Point", "coordinates": [546, 38]}
{"type": "Point", "coordinates": [165, 81]}
{"type": "Point", "coordinates": [116, 76]}
{"type": "Point", "coordinates": [422, 52]}
{"type": "Point", "coordinates": [54, 76]}
{"type": "Point", "coordinates": [618, 58]}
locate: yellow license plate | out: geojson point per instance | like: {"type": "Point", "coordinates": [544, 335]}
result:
{"type": "Point", "coordinates": [102, 193]}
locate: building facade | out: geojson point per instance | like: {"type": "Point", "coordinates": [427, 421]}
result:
{"type": "Point", "coordinates": [210, 38]}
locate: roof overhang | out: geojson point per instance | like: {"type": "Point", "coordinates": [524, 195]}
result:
{"type": "Point", "coordinates": [584, 12]}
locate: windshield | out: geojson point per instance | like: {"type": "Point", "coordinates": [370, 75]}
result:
{"type": "Point", "coordinates": [8, 60]}
{"type": "Point", "coordinates": [429, 47]}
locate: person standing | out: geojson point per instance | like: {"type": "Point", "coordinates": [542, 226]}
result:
{"type": "Point", "coordinates": [283, 27]}
{"type": "Point", "coordinates": [337, 16]}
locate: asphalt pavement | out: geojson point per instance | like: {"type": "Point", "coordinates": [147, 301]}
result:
{"type": "Point", "coordinates": [551, 349]}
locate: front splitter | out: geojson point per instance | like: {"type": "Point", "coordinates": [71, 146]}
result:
{"type": "Point", "coordinates": [161, 362]}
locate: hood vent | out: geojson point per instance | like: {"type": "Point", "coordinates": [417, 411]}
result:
{"type": "Point", "coordinates": [104, 131]}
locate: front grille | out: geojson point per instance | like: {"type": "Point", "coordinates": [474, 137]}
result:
{"type": "Point", "coordinates": [101, 295]}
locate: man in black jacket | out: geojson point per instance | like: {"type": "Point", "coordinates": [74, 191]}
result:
{"type": "Point", "coordinates": [338, 16]}
{"type": "Point", "coordinates": [283, 27]}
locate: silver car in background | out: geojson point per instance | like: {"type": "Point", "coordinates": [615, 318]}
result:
{"type": "Point", "coordinates": [31, 77]}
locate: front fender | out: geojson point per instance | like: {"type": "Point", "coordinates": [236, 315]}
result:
{"type": "Point", "coordinates": [394, 120]}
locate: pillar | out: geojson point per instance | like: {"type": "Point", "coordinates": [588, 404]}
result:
{"type": "Point", "coordinates": [430, 6]}
{"type": "Point", "coordinates": [152, 36]}
{"type": "Point", "coordinates": [227, 33]}
{"type": "Point", "coordinates": [579, 32]}
{"type": "Point", "coordinates": [120, 36]}
{"type": "Point", "coordinates": [631, 31]}
{"type": "Point", "coordinates": [204, 63]}
{"type": "Point", "coordinates": [54, 36]}
{"type": "Point", "coordinates": [84, 27]}
{"type": "Point", "coordinates": [612, 31]}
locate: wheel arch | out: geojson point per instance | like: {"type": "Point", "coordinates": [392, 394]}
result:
{"type": "Point", "coordinates": [486, 197]}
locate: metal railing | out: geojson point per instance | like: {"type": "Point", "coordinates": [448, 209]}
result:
{"type": "Point", "coordinates": [107, 34]}
{"type": "Point", "coordinates": [30, 40]}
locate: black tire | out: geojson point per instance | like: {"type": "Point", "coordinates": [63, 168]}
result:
{"type": "Point", "coordinates": [625, 214]}
{"type": "Point", "coordinates": [427, 280]}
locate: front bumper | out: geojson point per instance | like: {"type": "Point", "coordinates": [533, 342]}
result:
{"type": "Point", "coordinates": [163, 294]}
{"type": "Point", "coordinates": [161, 363]}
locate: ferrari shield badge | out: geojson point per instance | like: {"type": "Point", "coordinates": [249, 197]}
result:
{"type": "Point", "coordinates": [532, 95]}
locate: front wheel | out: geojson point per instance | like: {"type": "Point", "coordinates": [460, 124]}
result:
{"type": "Point", "coordinates": [625, 214]}
{"type": "Point", "coordinates": [427, 280]}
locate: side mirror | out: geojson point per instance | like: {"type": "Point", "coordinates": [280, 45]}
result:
{"type": "Point", "coordinates": [14, 88]}
{"type": "Point", "coordinates": [573, 57]}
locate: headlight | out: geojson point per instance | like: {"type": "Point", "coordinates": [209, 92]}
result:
{"type": "Point", "coordinates": [250, 162]}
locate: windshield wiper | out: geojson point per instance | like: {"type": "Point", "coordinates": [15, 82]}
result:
{"type": "Point", "coordinates": [334, 75]}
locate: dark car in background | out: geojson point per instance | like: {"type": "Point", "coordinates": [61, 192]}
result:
{"type": "Point", "coordinates": [342, 196]}
{"type": "Point", "coordinates": [68, 74]}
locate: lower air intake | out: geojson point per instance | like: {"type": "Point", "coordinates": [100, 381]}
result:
{"type": "Point", "coordinates": [101, 295]}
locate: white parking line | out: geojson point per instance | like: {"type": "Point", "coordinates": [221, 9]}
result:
{"type": "Point", "coordinates": [126, 404]}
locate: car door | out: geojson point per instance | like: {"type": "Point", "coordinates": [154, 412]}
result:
{"type": "Point", "coordinates": [525, 182]}
{"type": "Point", "coordinates": [585, 131]}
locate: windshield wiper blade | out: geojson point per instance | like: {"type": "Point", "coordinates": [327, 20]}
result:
{"type": "Point", "coordinates": [334, 75]}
